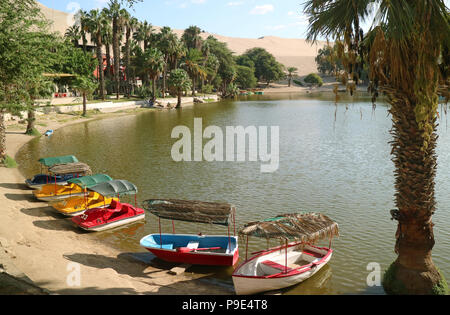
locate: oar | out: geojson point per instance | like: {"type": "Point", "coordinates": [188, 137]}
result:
{"type": "Point", "coordinates": [187, 249]}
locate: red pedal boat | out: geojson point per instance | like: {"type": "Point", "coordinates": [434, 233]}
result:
{"type": "Point", "coordinates": [117, 214]}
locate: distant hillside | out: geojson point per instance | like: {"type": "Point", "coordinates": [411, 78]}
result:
{"type": "Point", "coordinates": [290, 52]}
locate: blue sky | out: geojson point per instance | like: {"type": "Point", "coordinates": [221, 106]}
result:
{"type": "Point", "coordinates": [236, 18]}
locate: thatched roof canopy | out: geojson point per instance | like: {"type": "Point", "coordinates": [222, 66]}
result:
{"type": "Point", "coordinates": [71, 168]}
{"type": "Point", "coordinates": [191, 211]}
{"type": "Point", "coordinates": [308, 227]}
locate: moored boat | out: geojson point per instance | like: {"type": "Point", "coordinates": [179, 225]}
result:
{"type": "Point", "coordinates": [39, 180]}
{"type": "Point", "coordinates": [195, 249]}
{"type": "Point", "coordinates": [74, 187]}
{"type": "Point", "coordinates": [116, 214]}
{"type": "Point", "coordinates": [77, 205]}
{"type": "Point", "coordinates": [291, 263]}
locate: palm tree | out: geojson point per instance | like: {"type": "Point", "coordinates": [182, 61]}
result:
{"type": "Point", "coordinates": [117, 15]}
{"type": "Point", "coordinates": [96, 22]}
{"type": "Point", "coordinates": [107, 42]}
{"type": "Point", "coordinates": [167, 45]}
{"type": "Point", "coordinates": [143, 33]}
{"type": "Point", "coordinates": [192, 64]}
{"type": "Point", "coordinates": [291, 71]}
{"type": "Point", "coordinates": [81, 20]}
{"type": "Point", "coordinates": [192, 38]}
{"type": "Point", "coordinates": [151, 64]}
{"type": "Point", "coordinates": [403, 50]}
{"type": "Point", "coordinates": [73, 34]}
{"type": "Point", "coordinates": [179, 80]}
{"type": "Point", "coordinates": [130, 24]}
{"type": "Point", "coordinates": [85, 86]}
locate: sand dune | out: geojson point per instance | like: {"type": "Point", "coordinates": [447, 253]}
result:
{"type": "Point", "coordinates": [290, 52]}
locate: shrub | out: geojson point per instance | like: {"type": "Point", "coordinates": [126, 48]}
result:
{"type": "Point", "coordinates": [207, 89]}
{"type": "Point", "coordinates": [314, 79]}
{"type": "Point", "coordinates": [9, 162]}
{"type": "Point", "coordinates": [298, 82]}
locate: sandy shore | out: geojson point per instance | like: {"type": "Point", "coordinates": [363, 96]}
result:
{"type": "Point", "coordinates": [39, 244]}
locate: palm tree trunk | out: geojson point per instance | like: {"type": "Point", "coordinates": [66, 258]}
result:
{"type": "Point", "coordinates": [127, 62]}
{"type": "Point", "coordinates": [193, 86]}
{"type": "Point", "coordinates": [84, 104]}
{"type": "Point", "coordinates": [101, 76]}
{"type": "Point", "coordinates": [164, 78]}
{"type": "Point", "coordinates": [116, 51]}
{"type": "Point", "coordinates": [2, 136]}
{"type": "Point", "coordinates": [108, 63]}
{"type": "Point", "coordinates": [154, 88]}
{"type": "Point", "coordinates": [179, 99]}
{"type": "Point", "coordinates": [413, 271]}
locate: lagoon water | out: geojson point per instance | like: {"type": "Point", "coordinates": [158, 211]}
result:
{"type": "Point", "coordinates": [334, 159]}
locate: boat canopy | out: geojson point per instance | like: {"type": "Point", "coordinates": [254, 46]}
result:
{"type": "Point", "coordinates": [191, 211]}
{"type": "Point", "coordinates": [90, 181]}
{"type": "Point", "coordinates": [71, 168]}
{"type": "Point", "coordinates": [308, 227]}
{"type": "Point", "coordinates": [115, 187]}
{"type": "Point", "coordinates": [50, 161]}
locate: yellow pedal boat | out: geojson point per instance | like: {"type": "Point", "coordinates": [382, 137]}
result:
{"type": "Point", "coordinates": [74, 187]}
{"type": "Point", "coordinates": [77, 205]}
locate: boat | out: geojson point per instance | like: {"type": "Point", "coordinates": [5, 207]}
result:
{"type": "Point", "coordinates": [194, 249]}
{"type": "Point", "coordinates": [77, 205]}
{"type": "Point", "coordinates": [75, 187]}
{"type": "Point", "coordinates": [39, 180]}
{"type": "Point", "coordinates": [48, 133]}
{"type": "Point", "coordinates": [116, 214]}
{"type": "Point", "coordinates": [288, 264]}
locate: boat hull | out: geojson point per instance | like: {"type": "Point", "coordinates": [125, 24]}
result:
{"type": "Point", "coordinates": [101, 219]}
{"type": "Point", "coordinates": [58, 197]}
{"type": "Point", "coordinates": [200, 257]}
{"type": "Point", "coordinates": [114, 224]}
{"type": "Point", "coordinates": [246, 283]}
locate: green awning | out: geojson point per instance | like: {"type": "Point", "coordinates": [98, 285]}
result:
{"type": "Point", "coordinates": [50, 161]}
{"type": "Point", "coordinates": [90, 181]}
{"type": "Point", "coordinates": [115, 187]}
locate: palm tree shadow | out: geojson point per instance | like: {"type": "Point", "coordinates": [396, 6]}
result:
{"type": "Point", "coordinates": [125, 264]}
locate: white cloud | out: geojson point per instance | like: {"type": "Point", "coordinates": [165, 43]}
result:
{"type": "Point", "coordinates": [262, 9]}
{"type": "Point", "coordinates": [234, 4]}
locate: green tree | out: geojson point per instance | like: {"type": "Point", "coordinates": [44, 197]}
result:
{"type": "Point", "coordinates": [84, 85]}
{"type": "Point", "coordinates": [96, 23]}
{"type": "Point", "coordinates": [191, 37]}
{"type": "Point", "coordinates": [266, 67]}
{"type": "Point", "coordinates": [73, 34]}
{"type": "Point", "coordinates": [291, 72]}
{"type": "Point", "coordinates": [245, 77]}
{"type": "Point", "coordinates": [167, 44]}
{"type": "Point", "coordinates": [151, 64]}
{"type": "Point", "coordinates": [403, 53]}
{"type": "Point", "coordinates": [179, 80]}
{"type": "Point", "coordinates": [25, 55]}
{"type": "Point", "coordinates": [192, 63]}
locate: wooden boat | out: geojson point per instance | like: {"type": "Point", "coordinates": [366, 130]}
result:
{"type": "Point", "coordinates": [217, 250]}
{"type": "Point", "coordinates": [289, 264]}
{"type": "Point", "coordinates": [77, 205]}
{"type": "Point", "coordinates": [39, 180]}
{"type": "Point", "coordinates": [74, 187]}
{"type": "Point", "coordinates": [116, 214]}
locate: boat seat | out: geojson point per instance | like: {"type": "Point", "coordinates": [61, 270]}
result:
{"type": "Point", "coordinates": [311, 253]}
{"type": "Point", "coordinates": [193, 245]}
{"type": "Point", "coordinates": [275, 265]}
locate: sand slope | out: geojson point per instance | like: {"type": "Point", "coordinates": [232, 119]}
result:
{"type": "Point", "coordinates": [290, 52]}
